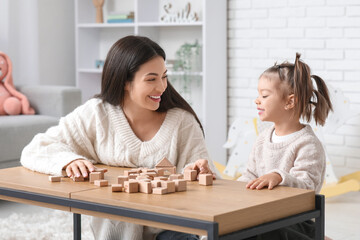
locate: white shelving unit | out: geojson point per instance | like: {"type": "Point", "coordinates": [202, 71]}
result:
{"type": "Point", "coordinates": [209, 88]}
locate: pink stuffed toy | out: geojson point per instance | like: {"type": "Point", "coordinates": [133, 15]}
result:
{"type": "Point", "coordinates": [12, 102]}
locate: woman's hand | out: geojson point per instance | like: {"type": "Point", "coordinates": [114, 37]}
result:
{"type": "Point", "coordinates": [202, 167]}
{"type": "Point", "coordinates": [79, 167]}
{"type": "Point", "coordinates": [270, 180]}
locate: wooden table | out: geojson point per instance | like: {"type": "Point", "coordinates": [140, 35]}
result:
{"type": "Point", "coordinates": [225, 210]}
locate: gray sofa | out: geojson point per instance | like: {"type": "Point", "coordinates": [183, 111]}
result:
{"type": "Point", "coordinates": [50, 103]}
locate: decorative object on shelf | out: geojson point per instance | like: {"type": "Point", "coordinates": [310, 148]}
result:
{"type": "Point", "coordinates": [187, 65]}
{"type": "Point", "coordinates": [99, 63]}
{"type": "Point", "coordinates": [99, 11]}
{"type": "Point", "coordinates": [180, 16]}
{"type": "Point", "coordinates": [188, 57]}
{"type": "Point", "coordinates": [121, 17]}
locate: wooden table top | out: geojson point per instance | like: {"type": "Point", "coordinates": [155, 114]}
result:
{"type": "Point", "coordinates": [20, 178]}
{"type": "Point", "coordinates": [227, 202]}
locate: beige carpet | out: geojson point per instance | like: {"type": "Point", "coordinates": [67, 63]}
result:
{"type": "Point", "coordinates": [44, 225]}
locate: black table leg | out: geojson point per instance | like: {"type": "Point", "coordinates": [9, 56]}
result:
{"type": "Point", "coordinates": [213, 231]}
{"type": "Point", "coordinates": [320, 221]}
{"type": "Point", "coordinates": [77, 226]}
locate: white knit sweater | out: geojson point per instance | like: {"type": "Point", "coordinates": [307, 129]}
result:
{"type": "Point", "coordinates": [299, 160]}
{"type": "Point", "coordinates": [100, 132]}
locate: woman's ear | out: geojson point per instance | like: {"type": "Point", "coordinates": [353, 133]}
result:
{"type": "Point", "coordinates": [127, 86]}
{"type": "Point", "coordinates": [290, 102]}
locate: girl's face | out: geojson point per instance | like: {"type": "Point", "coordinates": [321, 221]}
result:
{"type": "Point", "coordinates": [271, 102]}
{"type": "Point", "coordinates": [149, 83]}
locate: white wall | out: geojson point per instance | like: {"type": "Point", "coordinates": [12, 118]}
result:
{"type": "Point", "coordinates": [38, 36]}
{"type": "Point", "coordinates": [22, 47]}
{"type": "Point", "coordinates": [326, 32]}
{"type": "Point", "coordinates": [56, 42]}
{"type": "Point", "coordinates": [4, 24]}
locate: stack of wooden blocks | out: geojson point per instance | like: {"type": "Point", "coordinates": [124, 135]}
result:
{"type": "Point", "coordinates": [160, 180]}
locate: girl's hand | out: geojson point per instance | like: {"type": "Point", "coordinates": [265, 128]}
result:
{"type": "Point", "coordinates": [202, 167]}
{"type": "Point", "coordinates": [79, 167]}
{"type": "Point", "coordinates": [270, 180]}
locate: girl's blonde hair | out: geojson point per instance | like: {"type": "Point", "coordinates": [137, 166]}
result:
{"type": "Point", "coordinates": [308, 100]}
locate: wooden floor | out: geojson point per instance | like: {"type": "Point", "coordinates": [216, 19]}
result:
{"type": "Point", "coordinates": [342, 215]}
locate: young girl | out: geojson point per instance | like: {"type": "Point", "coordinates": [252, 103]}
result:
{"type": "Point", "coordinates": [289, 153]}
{"type": "Point", "coordinates": [137, 120]}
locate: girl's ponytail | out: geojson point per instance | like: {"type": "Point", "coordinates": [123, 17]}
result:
{"type": "Point", "coordinates": [303, 88]}
{"type": "Point", "coordinates": [323, 104]}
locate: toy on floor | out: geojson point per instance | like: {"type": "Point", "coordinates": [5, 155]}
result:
{"type": "Point", "coordinates": [160, 180]}
{"type": "Point", "coordinates": [12, 102]}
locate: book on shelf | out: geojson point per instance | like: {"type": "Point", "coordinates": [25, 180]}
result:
{"type": "Point", "coordinates": [120, 17]}
{"type": "Point", "coordinates": [120, 20]}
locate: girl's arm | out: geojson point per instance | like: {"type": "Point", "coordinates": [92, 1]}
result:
{"type": "Point", "coordinates": [72, 139]}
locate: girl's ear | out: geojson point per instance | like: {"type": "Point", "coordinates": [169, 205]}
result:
{"type": "Point", "coordinates": [290, 102]}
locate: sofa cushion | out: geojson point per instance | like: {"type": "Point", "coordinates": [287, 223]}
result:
{"type": "Point", "coordinates": [17, 131]}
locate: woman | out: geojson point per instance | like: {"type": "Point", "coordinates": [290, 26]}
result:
{"type": "Point", "coordinates": [137, 120]}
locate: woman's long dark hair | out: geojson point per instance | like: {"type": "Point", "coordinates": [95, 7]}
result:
{"type": "Point", "coordinates": [122, 62]}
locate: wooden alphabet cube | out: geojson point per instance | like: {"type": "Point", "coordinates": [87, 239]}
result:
{"type": "Point", "coordinates": [78, 179]}
{"type": "Point", "coordinates": [160, 171]}
{"type": "Point", "coordinates": [102, 172]}
{"type": "Point", "coordinates": [128, 172]}
{"type": "Point", "coordinates": [150, 175]}
{"type": "Point", "coordinates": [55, 178]}
{"type": "Point", "coordinates": [162, 178]}
{"type": "Point", "coordinates": [175, 176]}
{"type": "Point", "coordinates": [136, 170]}
{"type": "Point", "coordinates": [122, 179]}
{"type": "Point", "coordinates": [156, 183]}
{"type": "Point", "coordinates": [206, 179]}
{"type": "Point", "coordinates": [142, 178]}
{"type": "Point", "coordinates": [170, 185]}
{"type": "Point", "coordinates": [131, 186]}
{"type": "Point", "coordinates": [145, 187]}
{"type": "Point", "coordinates": [95, 176]}
{"type": "Point", "coordinates": [180, 185]}
{"type": "Point", "coordinates": [145, 180]}
{"type": "Point", "coordinates": [150, 171]}
{"type": "Point", "coordinates": [159, 190]}
{"type": "Point", "coordinates": [117, 187]}
{"type": "Point", "coordinates": [169, 170]}
{"type": "Point", "coordinates": [190, 175]}
{"type": "Point", "coordinates": [133, 175]}
{"type": "Point", "coordinates": [101, 183]}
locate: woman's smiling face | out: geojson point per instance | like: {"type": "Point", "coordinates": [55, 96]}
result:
{"type": "Point", "coordinates": [149, 83]}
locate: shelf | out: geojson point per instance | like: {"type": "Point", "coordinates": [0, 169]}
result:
{"type": "Point", "coordinates": [165, 24]}
{"type": "Point", "coordinates": [171, 73]}
{"type": "Point", "coordinates": [209, 75]}
{"type": "Point", "coordinates": [142, 24]}
{"type": "Point", "coordinates": [105, 25]}
{"type": "Point", "coordinates": [89, 70]}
